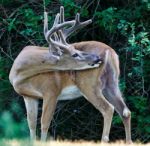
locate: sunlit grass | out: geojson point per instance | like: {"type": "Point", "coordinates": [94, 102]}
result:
{"type": "Point", "coordinates": [5, 142]}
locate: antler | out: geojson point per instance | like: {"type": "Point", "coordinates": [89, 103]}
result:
{"type": "Point", "coordinates": [77, 25]}
{"type": "Point", "coordinates": [58, 34]}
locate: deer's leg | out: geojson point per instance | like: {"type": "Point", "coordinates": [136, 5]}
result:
{"type": "Point", "coordinates": [49, 104]}
{"type": "Point", "coordinates": [32, 112]}
{"type": "Point", "coordinates": [99, 101]}
{"type": "Point", "coordinates": [113, 94]}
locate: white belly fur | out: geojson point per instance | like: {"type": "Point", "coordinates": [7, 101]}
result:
{"type": "Point", "coordinates": [69, 93]}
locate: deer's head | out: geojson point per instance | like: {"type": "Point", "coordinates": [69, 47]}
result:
{"type": "Point", "coordinates": [61, 30]}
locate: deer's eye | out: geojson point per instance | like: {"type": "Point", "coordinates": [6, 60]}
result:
{"type": "Point", "coordinates": [75, 55]}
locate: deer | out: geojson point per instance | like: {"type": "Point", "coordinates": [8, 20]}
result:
{"type": "Point", "coordinates": [66, 71]}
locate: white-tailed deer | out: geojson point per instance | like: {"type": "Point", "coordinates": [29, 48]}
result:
{"type": "Point", "coordinates": [38, 73]}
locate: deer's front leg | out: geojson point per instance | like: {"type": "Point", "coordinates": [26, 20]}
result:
{"type": "Point", "coordinates": [32, 112]}
{"type": "Point", "coordinates": [49, 104]}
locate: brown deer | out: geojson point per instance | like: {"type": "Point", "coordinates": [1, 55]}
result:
{"type": "Point", "coordinates": [87, 68]}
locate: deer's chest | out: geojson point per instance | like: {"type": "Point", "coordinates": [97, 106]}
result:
{"type": "Point", "coordinates": [69, 93]}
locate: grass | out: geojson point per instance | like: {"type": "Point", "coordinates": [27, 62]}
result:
{"type": "Point", "coordinates": [5, 142]}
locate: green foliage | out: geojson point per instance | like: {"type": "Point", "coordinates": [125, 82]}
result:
{"type": "Point", "coordinates": [140, 116]}
{"type": "Point", "coordinates": [9, 128]}
{"type": "Point", "coordinates": [122, 25]}
{"type": "Point", "coordinates": [107, 22]}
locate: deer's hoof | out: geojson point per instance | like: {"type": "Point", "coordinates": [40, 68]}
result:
{"type": "Point", "coordinates": [129, 142]}
{"type": "Point", "coordinates": [105, 139]}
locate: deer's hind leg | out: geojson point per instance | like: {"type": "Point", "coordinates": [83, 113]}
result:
{"type": "Point", "coordinates": [95, 96]}
{"type": "Point", "coordinates": [113, 94]}
{"type": "Point", "coordinates": [32, 112]}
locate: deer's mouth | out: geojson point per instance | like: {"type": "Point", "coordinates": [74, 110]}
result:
{"type": "Point", "coordinates": [97, 63]}
{"type": "Point", "coordinates": [91, 59]}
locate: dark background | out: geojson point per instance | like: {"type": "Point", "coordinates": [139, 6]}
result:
{"type": "Point", "coordinates": [123, 25]}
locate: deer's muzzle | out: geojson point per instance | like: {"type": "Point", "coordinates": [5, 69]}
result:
{"type": "Point", "coordinates": [91, 59]}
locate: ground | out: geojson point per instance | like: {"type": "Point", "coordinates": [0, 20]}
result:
{"type": "Point", "coordinates": [5, 142]}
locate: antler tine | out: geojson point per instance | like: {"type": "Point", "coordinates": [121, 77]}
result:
{"type": "Point", "coordinates": [62, 37]}
{"type": "Point", "coordinates": [57, 19]}
{"type": "Point", "coordinates": [45, 24]}
{"type": "Point", "coordinates": [57, 39]}
{"type": "Point", "coordinates": [55, 34]}
{"type": "Point", "coordinates": [77, 19]}
{"type": "Point", "coordinates": [77, 25]}
{"type": "Point", "coordinates": [62, 14]}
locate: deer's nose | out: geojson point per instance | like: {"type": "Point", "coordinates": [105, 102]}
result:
{"type": "Point", "coordinates": [98, 60]}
